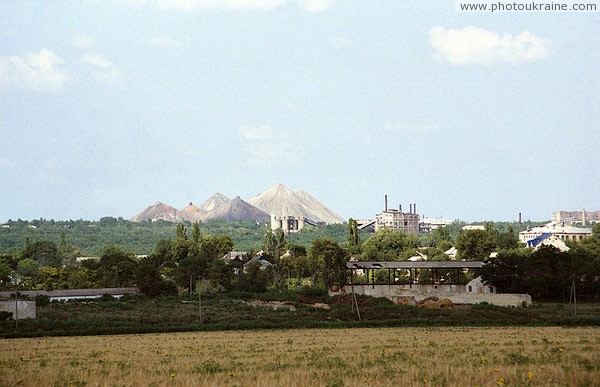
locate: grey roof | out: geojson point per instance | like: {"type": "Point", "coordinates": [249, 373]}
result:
{"type": "Point", "coordinates": [73, 292]}
{"type": "Point", "coordinates": [416, 265]}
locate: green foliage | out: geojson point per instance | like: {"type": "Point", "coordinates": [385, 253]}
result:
{"type": "Point", "coordinates": [389, 245]}
{"type": "Point", "coordinates": [332, 260]}
{"type": "Point", "coordinates": [475, 245]}
{"type": "Point", "coordinates": [45, 253]}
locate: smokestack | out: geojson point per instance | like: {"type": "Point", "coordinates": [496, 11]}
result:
{"type": "Point", "coordinates": [400, 206]}
{"type": "Point", "coordinates": [410, 208]}
{"type": "Point", "coordinates": [386, 207]}
{"type": "Point", "coordinates": [415, 207]}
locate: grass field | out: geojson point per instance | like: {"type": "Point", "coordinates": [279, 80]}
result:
{"type": "Point", "coordinates": [546, 356]}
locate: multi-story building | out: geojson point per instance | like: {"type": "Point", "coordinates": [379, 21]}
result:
{"type": "Point", "coordinates": [288, 223]}
{"type": "Point", "coordinates": [584, 217]}
{"type": "Point", "coordinates": [398, 220]}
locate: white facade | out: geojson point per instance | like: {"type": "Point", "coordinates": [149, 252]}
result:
{"type": "Point", "coordinates": [397, 220]}
{"type": "Point", "coordinates": [287, 223]}
{"type": "Point", "coordinates": [559, 230]}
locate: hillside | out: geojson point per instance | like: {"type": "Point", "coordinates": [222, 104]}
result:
{"type": "Point", "coordinates": [280, 200]}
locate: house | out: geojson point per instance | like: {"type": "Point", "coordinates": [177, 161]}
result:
{"type": "Point", "coordinates": [452, 252]}
{"type": "Point", "coordinates": [547, 239]}
{"type": "Point", "coordinates": [477, 286]}
{"type": "Point", "coordinates": [260, 260]}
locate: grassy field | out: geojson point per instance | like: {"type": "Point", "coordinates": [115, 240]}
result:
{"type": "Point", "coordinates": [547, 356]}
{"type": "Point", "coordinates": [132, 315]}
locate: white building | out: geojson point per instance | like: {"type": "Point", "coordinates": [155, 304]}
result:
{"type": "Point", "coordinates": [288, 223]}
{"type": "Point", "coordinates": [534, 235]}
{"type": "Point", "coordinates": [430, 224]}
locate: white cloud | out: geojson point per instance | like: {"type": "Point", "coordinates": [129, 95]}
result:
{"type": "Point", "coordinates": [83, 42]}
{"type": "Point", "coordinates": [39, 71]}
{"type": "Point", "coordinates": [103, 69]}
{"type": "Point", "coordinates": [315, 5]}
{"type": "Point", "coordinates": [265, 147]}
{"type": "Point", "coordinates": [474, 45]}
{"type": "Point", "coordinates": [165, 41]}
{"type": "Point", "coordinates": [312, 6]}
{"type": "Point", "coordinates": [340, 43]}
{"type": "Point", "coordinates": [258, 133]}
{"type": "Point", "coordinates": [194, 5]}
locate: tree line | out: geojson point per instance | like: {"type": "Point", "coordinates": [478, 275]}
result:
{"type": "Point", "coordinates": [194, 258]}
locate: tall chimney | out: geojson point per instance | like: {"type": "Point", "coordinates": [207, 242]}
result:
{"type": "Point", "coordinates": [415, 207]}
{"type": "Point", "coordinates": [386, 207]}
{"type": "Point", "coordinates": [400, 206]}
{"type": "Point", "coordinates": [410, 208]}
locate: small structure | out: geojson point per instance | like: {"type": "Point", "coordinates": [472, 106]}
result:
{"type": "Point", "coordinates": [21, 309]}
{"type": "Point", "coordinates": [446, 280]}
{"type": "Point", "coordinates": [430, 224]}
{"type": "Point", "coordinates": [75, 294]}
{"type": "Point", "coordinates": [262, 262]}
{"type": "Point", "coordinates": [473, 227]}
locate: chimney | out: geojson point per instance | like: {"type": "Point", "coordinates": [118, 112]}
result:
{"type": "Point", "coordinates": [400, 206]}
{"type": "Point", "coordinates": [415, 207]}
{"type": "Point", "coordinates": [410, 211]}
{"type": "Point", "coordinates": [386, 207]}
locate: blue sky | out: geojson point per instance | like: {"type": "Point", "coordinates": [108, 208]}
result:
{"type": "Point", "coordinates": [107, 106]}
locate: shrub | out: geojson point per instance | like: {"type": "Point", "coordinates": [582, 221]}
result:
{"type": "Point", "coordinates": [42, 300]}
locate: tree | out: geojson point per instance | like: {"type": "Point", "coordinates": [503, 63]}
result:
{"type": "Point", "coordinates": [507, 240]}
{"type": "Point", "coordinates": [45, 253]}
{"type": "Point", "coordinates": [333, 258]}
{"type": "Point", "coordinates": [508, 271]}
{"type": "Point", "coordinates": [389, 245]}
{"type": "Point", "coordinates": [273, 246]}
{"type": "Point", "coordinates": [117, 267]}
{"type": "Point", "coordinates": [475, 245]}
{"type": "Point", "coordinates": [150, 282]}
{"type": "Point", "coordinates": [352, 236]}
{"type": "Point", "coordinates": [5, 275]}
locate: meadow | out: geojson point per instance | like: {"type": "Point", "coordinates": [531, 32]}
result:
{"type": "Point", "coordinates": [451, 356]}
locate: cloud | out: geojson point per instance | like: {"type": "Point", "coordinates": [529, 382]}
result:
{"type": "Point", "coordinates": [83, 42]}
{"type": "Point", "coordinates": [474, 45]}
{"type": "Point", "coordinates": [258, 133]}
{"type": "Point", "coordinates": [265, 147]}
{"type": "Point", "coordinates": [165, 41]}
{"type": "Point", "coordinates": [40, 71]}
{"type": "Point", "coordinates": [232, 5]}
{"type": "Point", "coordinates": [315, 5]}
{"type": "Point", "coordinates": [340, 43]}
{"type": "Point", "coordinates": [103, 69]}
{"type": "Point", "coordinates": [312, 6]}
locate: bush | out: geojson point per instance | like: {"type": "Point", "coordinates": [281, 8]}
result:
{"type": "Point", "coordinates": [42, 300]}
{"type": "Point", "coordinates": [4, 316]}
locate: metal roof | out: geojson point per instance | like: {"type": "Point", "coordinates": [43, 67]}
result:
{"type": "Point", "coordinates": [415, 265]}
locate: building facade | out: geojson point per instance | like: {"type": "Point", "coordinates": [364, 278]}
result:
{"type": "Point", "coordinates": [397, 220]}
{"type": "Point", "coordinates": [558, 230]}
{"type": "Point", "coordinates": [582, 217]}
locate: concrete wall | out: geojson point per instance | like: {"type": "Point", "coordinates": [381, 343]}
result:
{"type": "Point", "coordinates": [402, 294]}
{"type": "Point", "coordinates": [26, 309]}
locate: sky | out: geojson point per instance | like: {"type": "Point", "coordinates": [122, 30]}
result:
{"type": "Point", "coordinates": [108, 106]}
